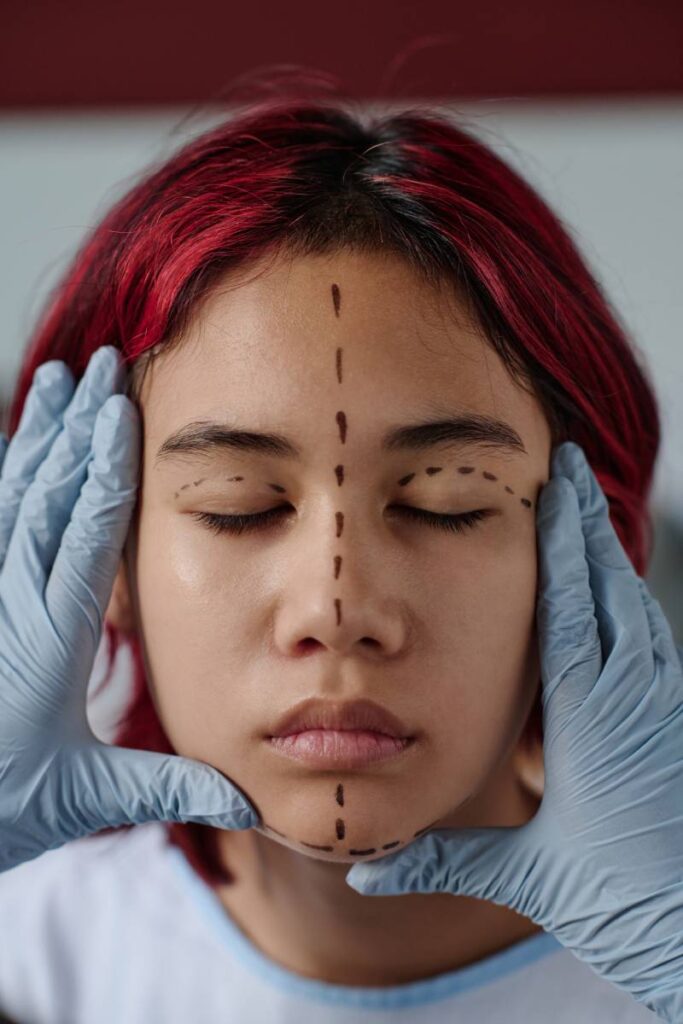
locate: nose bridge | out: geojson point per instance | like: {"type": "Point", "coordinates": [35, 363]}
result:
{"type": "Point", "coordinates": [347, 606]}
{"type": "Point", "coordinates": [341, 468]}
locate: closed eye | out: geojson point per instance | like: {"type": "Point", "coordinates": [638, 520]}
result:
{"type": "Point", "coordinates": [238, 524]}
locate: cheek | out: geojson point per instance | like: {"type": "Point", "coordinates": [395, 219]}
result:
{"type": "Point", "coordinates": [483, 633]}
{"type": "Point", "coordinates": [191, 607]}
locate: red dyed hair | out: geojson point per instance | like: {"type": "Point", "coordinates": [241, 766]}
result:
{"type": "Point", "coordinates": [318, 174]}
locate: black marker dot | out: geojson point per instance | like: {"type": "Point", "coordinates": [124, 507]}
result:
{"type": "Point", "coordinates": [340, 795]}
{"type": "Point", "coordinates": [362, 853]}
{"type": "Point", "coordinates": [339, 516]}
{"type": "Point", "coordinates": [336, 298]}
{"type": "Point", "coordinates": [184, 487]}
{"type": "Point", "coordinates": [405, 479]}
{"type": "Point", "coordinates": [339, 470]}
{"type": "Point", "coordinates": [339, 365]}
{"type": "Point", "coordinates": [337, 606]}
{"type": "Point", "coordinates": [431, 470]}
{"type": "Point", "coordinates": [341, 828]}
{"type": "Point", "coordinates": [465, 469]}
{"type": "Point", "coordinates": [198, 482]}
{"type": "Point", "coordinates": [525, 501]}
{"type": "Point", "coordinates": [276, 487]}
{"type": "Point", "coordinates": [234, 478]}
{"type": "Point", "coordinates": [337, 566]}
{"type": "Point", "coordinates": [489, 476]}
{"type": "Point", "coordinates": [341, 420]}
{"type": "Point", "coordinates": [509, 489]}
{"type": "Point", "coordinates": [389, 846]}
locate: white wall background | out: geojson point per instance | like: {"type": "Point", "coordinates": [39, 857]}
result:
{"type": "Point", "coordinates": [612, 171]}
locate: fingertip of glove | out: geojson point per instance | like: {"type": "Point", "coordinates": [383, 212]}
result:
{"type": "Point", "coordinates": [364, 880]}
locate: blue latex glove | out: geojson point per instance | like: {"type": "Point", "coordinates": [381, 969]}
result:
{"type": "Point", "coordinates": [68, 482]}
{"type": "Point", "coordinates": [600, 865]}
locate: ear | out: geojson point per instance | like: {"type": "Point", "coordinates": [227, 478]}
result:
{"type": "Point", "coordinates": [119, 610]}
{"type": "Point", "coordinates": [528, 766]}
{"type": "Point", "coordinates": [527, 759]}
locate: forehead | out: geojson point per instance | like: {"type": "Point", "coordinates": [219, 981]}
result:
{"type": "Point", "coordinates": [263, 345]}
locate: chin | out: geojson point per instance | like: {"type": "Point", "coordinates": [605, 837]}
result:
{"type": "Point", "coordinates": [349, 844]}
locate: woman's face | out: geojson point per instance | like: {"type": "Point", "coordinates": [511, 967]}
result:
{"type": "Point", "coordinates": [341, 595]}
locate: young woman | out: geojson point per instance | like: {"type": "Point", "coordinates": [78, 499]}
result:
{"type": "Point", "coordinates": [349, 347]}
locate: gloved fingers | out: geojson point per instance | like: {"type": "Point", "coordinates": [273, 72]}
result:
{"type": "Point", "coordinates": [669, 686]}
{"type": "Point", "coordinates": [619, 610]}
{"type": "Point", "coordinates": [118, 786]}
{"type": "Point", "coordinates": [484, 862]}
{"type": "Point", "coordinates": [80, 584]}
{"type": "Point", "coordinates": [41, 421]}
{"type": "Point", "coordinates": [568, 640]}
{"type": "Point", "coordinates": [48, 502]}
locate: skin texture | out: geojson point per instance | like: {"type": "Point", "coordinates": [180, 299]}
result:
{"type": "Point", "coordinates": [437, 626]}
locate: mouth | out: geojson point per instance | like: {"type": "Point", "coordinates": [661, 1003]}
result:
{"type": "Point", "coordinates": [340, 749]}
{"type": "Point", "coordinates": [326, 734]}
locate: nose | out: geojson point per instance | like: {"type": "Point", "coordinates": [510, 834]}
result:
{"type": "Point", "coordinates": [344, 599]}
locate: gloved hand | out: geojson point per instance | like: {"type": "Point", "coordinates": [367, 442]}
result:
{"type": "Point", "coordinates": [600, 865]}
{"type": "Point", "coordinates": [68, 482]}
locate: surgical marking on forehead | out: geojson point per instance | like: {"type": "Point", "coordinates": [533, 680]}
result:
{"type": "Point", "coordinates": [337, 566]}
{"type": "Point", "coordinates": [339, 795]}
{"type": "Point", "coordinates": [340, 828]}
{"type": "Point", "coordinates": [340, 522]}
{"type": "Point", "coordinates": [337, 605]}
{"type": "Point", "coordinates": [339, 365]}
{"type": "Point", "coordinates": [431, 470]}
{"type": "Point", "coordinates": [341, 420]}
{"type": "Point", "coordinates": [336, 298]}
{"type": "Point", "coordinates": [489, 476]}
{"type": "Point", "coordinates": [339, 470]}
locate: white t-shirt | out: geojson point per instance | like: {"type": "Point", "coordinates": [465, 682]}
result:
{"type": "Point", "coordinates": [119, 929]}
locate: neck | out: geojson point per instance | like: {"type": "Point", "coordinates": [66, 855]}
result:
{"type": "Point", "coordinates": [301, 913]}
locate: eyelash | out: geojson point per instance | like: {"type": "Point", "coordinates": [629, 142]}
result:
{"type": "Point", "coordinates": [244, 524]}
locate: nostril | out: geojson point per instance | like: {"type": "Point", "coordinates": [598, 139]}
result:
{"type": "Point", "coordinates": [308, 643]}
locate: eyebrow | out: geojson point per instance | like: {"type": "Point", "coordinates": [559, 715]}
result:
{"type": "Point", "coordinates": [206, 437]}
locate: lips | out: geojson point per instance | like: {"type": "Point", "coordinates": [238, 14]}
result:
{"type": "Point", "coordinates": [362, 715]}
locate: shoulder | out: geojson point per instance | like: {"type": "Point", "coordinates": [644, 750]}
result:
{"type": "Point", "coordinates": [92, 861]}
{"type": "Point", "coordinates": [61, 909]}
